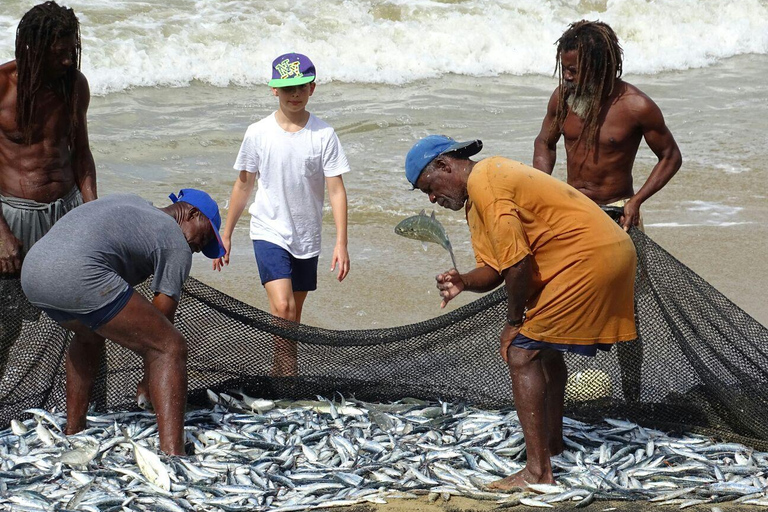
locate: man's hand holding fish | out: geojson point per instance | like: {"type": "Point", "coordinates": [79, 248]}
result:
{"type": "Point", "coordinates": [450, 285]}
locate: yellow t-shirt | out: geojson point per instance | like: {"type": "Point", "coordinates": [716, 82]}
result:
{"type": "Point", "coordinates": [583, 262]}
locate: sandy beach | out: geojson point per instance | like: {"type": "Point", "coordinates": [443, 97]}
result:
{"type": "Point", "coordinates": [459, 504]}
{"type": "Point", "coordinates": [708, 216]}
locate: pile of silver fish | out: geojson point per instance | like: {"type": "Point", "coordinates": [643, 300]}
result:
{"type": "Point", "coordinates": [256, 454]}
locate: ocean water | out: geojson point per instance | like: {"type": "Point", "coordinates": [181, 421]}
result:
{"type": "Point", "coordinates": [224, 43]}
{"type": "Point", "coordinates": [176, 83]}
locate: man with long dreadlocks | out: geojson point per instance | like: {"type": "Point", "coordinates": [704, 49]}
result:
{"type": "Point", "coordinates": [603, 119]}
{"type": "Point", "coordinates": [46, 165]}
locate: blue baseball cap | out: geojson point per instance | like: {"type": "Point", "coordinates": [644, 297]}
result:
{"type": "Point", "coordinates": [432, 146]}
{"type": "Point", "coordinates": [292, 69]}
{"type": "Point", "coordinates": [208, 207]}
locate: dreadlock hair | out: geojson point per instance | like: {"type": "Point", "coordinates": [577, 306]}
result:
{"type": "Point", "coordinates": [38, 30]}
{"type": "Point", "coordinates": [599, 58]}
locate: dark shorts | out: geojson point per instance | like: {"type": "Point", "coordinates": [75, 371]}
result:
{"type": "Point", "coordinates": [94, 319]}
{"type": "Point", "coordinates": [276, 263]}
{"type": "Point", "coordinates": [527, 343]}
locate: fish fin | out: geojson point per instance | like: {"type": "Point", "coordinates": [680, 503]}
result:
{"type": "Point", "coordinates": [433, 215]}
{"type": "Point", "coordinates": [453, 258]}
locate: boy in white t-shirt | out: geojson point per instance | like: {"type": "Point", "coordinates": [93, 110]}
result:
{"type": "Point", "coordinates": [294, 155]}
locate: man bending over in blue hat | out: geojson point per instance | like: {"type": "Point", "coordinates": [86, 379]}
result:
{"type": "Point", "coordinates": [569, 272]}
{"type": "Point", "coordinates": [82, 274]}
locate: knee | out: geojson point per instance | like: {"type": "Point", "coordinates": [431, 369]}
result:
{"type": "Point", "coordinates": [171, 345]}
{"type": "Point", "coordinates": [86, 340]}
{"type": "Point", "coordinates": [176, 346]}
{"type": "Point", "coordinates": [90, 339]}
{"type": "Point", "coordinates": [285, 309]}
{"type": "Point", "coordinates": [519, 358]}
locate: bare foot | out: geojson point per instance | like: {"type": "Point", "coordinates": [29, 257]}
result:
{"type": "Point", "coordinates": [519, 481]}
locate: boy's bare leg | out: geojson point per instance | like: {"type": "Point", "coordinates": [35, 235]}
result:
{"type": "Point", "coordinates": [82, 364]}
{"type": "Point", "coordinates": [142, 328]}
{"type": "Point", "coordinates": [529, 386]}
{"type": "Point", "coordinates": [287, 304]}
{"type": "Point", "coordinates": [299, 298]}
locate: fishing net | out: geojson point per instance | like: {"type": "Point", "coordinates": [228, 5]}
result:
{"type": "Point", "coordinates": [701, 364]}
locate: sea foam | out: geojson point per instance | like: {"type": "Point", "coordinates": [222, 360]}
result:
{"type": "Point", "coordinates": [171, 43]}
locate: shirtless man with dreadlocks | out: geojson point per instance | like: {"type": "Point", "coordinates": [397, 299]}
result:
{"type": "Point", "coordinates": [603, 119]}
{"type": "Point", "coordinates": [46, 165]}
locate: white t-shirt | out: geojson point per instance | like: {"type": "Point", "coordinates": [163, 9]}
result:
{"type": "Point", "coordinates": [291, 169]}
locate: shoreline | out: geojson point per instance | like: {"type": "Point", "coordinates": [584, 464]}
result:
{"type": "Point", "coordinates": [156, 141]}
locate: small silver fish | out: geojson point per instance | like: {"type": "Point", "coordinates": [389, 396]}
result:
{"type": "Point", "coordinates": [44, 435]}
{"type": "Point", "coordinates": [425, 229]}
{"type": "Point", "coordinates": [73, 503]}
{"type": "Point", "coordinates": [18, 427]}
{"type": "Point", "coordinates": [535, 503]}
{"type": "Point", "coordinates": [149, 464]}
{"type": "Point", "coordinates": [295, 457]}
{"type": "Point", "coordinates": [81, 455]}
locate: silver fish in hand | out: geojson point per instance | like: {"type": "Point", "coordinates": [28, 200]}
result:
{"type": "Point", "coordinates": [425, 228]}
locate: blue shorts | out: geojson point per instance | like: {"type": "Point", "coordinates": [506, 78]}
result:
{"type": "Point", "coordinates": [276, 263]}
{"type": "Point", "coordinates": [527, 343]}
{"type": "Point", "coordinates": [94, 319]}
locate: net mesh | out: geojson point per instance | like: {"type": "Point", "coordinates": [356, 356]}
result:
{"type": "Point", "coordinates": [700, 364]}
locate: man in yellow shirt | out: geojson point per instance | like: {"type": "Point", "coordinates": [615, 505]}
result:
{"type": "Point", "coordinates": [567, 267]}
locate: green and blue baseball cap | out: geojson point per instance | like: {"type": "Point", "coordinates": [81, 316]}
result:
{"type": "Point", "coordinates": [208, 207]}
{"type": "Point", "coordinates": [292, 69]}
{"type": "Point", "coordinates": [432, 146]}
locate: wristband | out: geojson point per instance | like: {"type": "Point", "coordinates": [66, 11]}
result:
{"type": "Point", "coordinates": [515, 323]}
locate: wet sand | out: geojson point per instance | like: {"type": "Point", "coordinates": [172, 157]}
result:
{"type": "Point", "coordinates": [709, 216]}
{"type": "Point", "coordinates": [459, 504]}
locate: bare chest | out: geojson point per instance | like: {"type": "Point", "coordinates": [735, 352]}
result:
{"type": "Point", "coordinates": [616, 129]}
{"type": "Point", "coordinates": [51, 123]}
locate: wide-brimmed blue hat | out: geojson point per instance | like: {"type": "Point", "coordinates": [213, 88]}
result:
{"type": "Point", "coordinates": [432, 146]}
{"type": "Point", "coordinates": [208, 207]}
